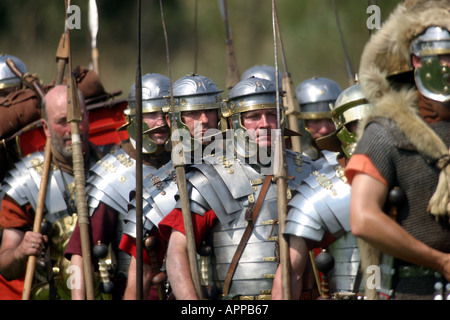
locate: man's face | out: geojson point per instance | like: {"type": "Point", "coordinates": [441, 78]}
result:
{"type": "Point", "coordinates": [320, 127]}
{"type": "Point", "coordinates": [199, 121]}
{"type": "Point", "coordinates": [352, 126]}
{"type": "Point", "coordinates": [157, 120]}
{"type": "Point", "coordinates": [57, 126]}
{"type": "Point", "coordinates": [259, 124]}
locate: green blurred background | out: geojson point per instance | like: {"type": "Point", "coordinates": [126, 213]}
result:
{"type": "Point", "coordinates": [31, 31]}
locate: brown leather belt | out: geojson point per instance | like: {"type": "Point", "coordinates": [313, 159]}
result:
{"type": "Point", "coordinates": [251, 216]}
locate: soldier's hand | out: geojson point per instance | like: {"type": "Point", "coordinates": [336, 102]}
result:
{"type": "Point", "coordinates": [446, 267]}
{"type": "Point", "coordinates": [33, 244]}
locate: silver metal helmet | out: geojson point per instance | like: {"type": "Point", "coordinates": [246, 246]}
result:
{"type": "Point", "coordinates": [432, 78]}
{"type": "Point", "coordinates": [194, 92]}
{"type": "Point", "coordinates": [7, 78]}
{"type": "Point", "coordinates": [155, 87]}
{"type": "Point", "coordinates": [248, 95]}
{"type": "Point", "coordinates": [315, 96]}
{"type": "Point", "coordinates": [264, 72]}
{"type": "Point", "coordinates": [351, 105]}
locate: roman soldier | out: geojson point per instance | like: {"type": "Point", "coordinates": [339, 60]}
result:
{"type": "Point", "coordinates": [319, 214]}
{"type": "Point", "coordinates": [114, 176]}
{"type": "Point", "coordinates": [315, 96]}
{"type": "Point", "coordinates": [226, 191]}
{"type": "Point", "coordinates": [197, 103]}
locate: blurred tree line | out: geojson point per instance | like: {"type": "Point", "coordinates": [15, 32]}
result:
{"type": "Point", "coordinates": [31, 31]}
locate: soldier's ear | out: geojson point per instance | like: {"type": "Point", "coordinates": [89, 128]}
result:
{"type": "Point", "coordinates": [45, 128]}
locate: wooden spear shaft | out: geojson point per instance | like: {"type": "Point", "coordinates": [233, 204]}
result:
{"type": "Point", "coordinates": [348, 65]}
{"type": "Point", "coordinates": [62, 54]}
{"type": "Point", "coordinates": [139, 168]}
{"type": "Point", "coordinates": [31, 266]}
{"type": "Point", "coordinates": [232, 69]}
{"type": "Point", "coordinates": [280, 175]}
{"type": "Point", "coordinates": [93, 28]}
{"type": "Point", "coordinates": [289, 99]}
{"type": "Point", "coordinates": [284, 247]}
{"type": "Point", "coordinates": [179, 161]}
{"type": "Point", "coordinates": [62, 57]}
{"type": "Point", "coordinates": [189, 229]}
{"type": "Point", "coordinates": [80, 189]}
{"type": "Point", "coordinates": [74, 117]}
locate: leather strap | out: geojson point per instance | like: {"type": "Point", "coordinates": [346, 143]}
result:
{"type": "Point", "coordinates": [50, 274]}
{"type": "Point", "coordinates": [248, 231]}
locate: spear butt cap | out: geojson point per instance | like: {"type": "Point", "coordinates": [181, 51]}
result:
{"type": "Point", "coordinates": [100, 250]}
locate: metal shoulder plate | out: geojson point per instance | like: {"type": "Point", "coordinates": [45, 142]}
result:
{"type": "Point", "coordinates": [111, 180]}
{"type": "Point", "coordinates": [327, 158]}
{"type": "Point", "coordinates": [159, 190]}
{"type": "Point", "coordinates": [22, 183]}
{"type": "Point", "coordinates": [257, 265]}
{"type": "Point", "coordinates": [219, 183]}
{"type": "Point", "coordinates": [225, 181]}
{"type": "Point", "coordinates": [321, 203]}
{"type": "Point", "coordinates": [299, 167]}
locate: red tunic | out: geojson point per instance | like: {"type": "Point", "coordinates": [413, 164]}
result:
{"type": "Point", "coordinates": [102, 228]}
{"type": "Point", "coordinates": [11, 290]}
{"type": "Point", "coordinates": [128, 245]}
{"type": "Point", "coordinates": [201, 224]}
{"type": "Point", "coordinates": [15, 216]}
{"type": "Point", "coordinates": [360, 163]}
{"type": "Point", "coordinates": [19, 217]}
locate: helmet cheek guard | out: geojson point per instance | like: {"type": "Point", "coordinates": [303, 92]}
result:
{"type": "Point", "coordinates": [148, 145]}
{"type": "Point", "coordinates": [348, 141]}
{"type": "Point", "coordinates": [351, 105]}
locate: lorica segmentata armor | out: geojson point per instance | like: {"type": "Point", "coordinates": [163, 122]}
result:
{"type": "Point", "coordinates": [159, 192]}
{"type": "Point", "coordinates": [23, 182]}
{"type": "Point", "coordinates": [229, 187]}
{"type": "Point", "coordinates": [322, 204]}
